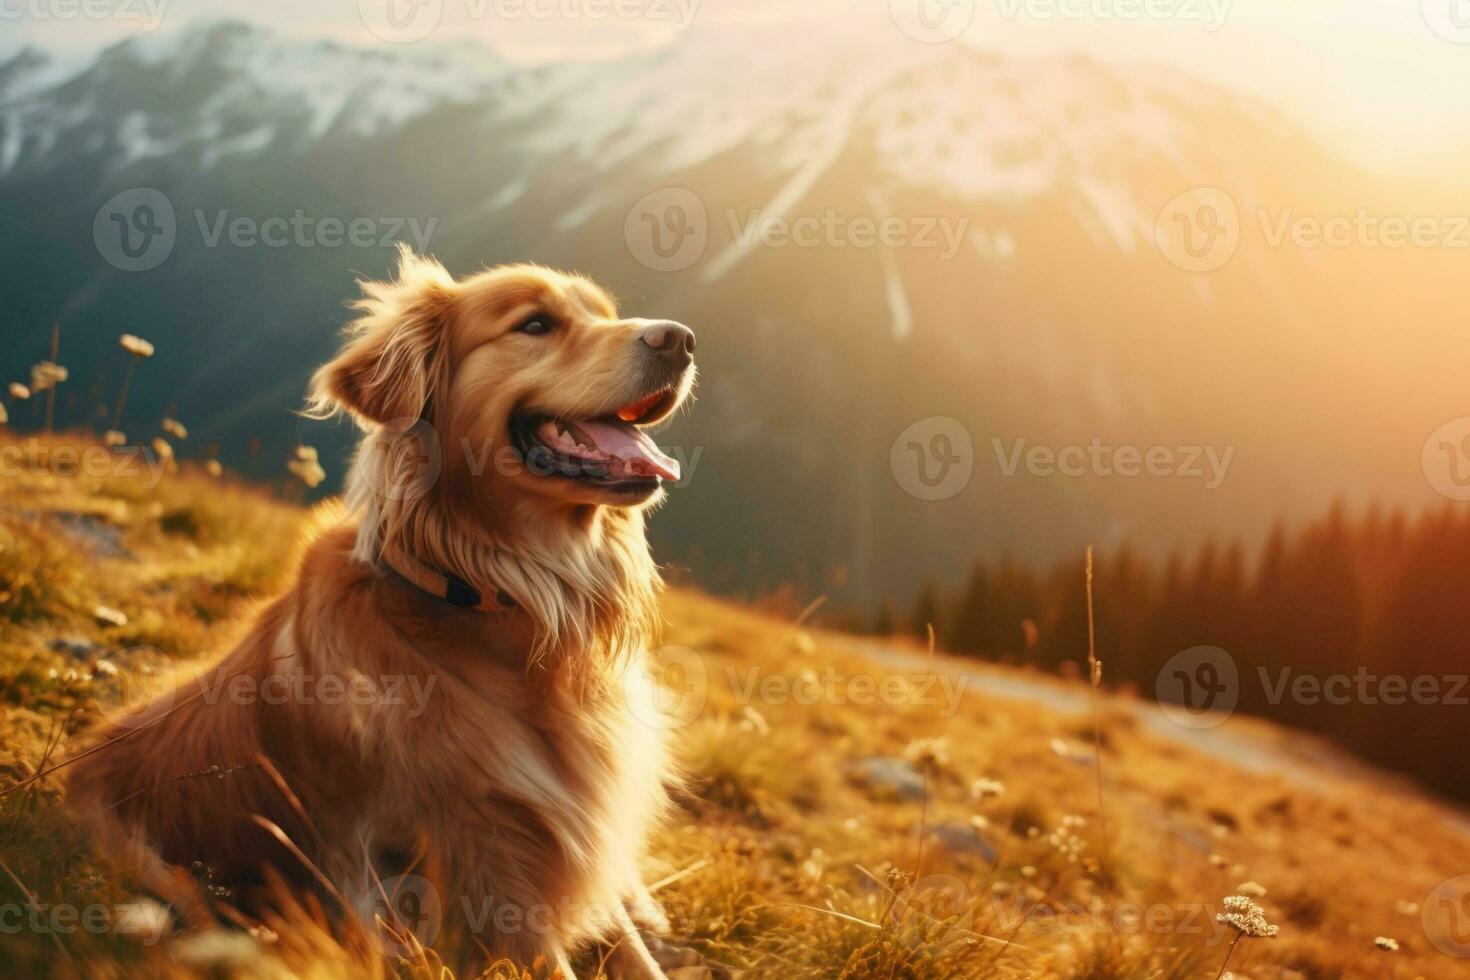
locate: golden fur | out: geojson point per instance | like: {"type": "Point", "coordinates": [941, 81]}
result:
{"type": "Point", "coordinates": [529, 774]}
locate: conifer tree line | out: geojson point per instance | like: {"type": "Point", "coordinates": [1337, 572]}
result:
{"type": "Point", "coordinates": [1363, 598]}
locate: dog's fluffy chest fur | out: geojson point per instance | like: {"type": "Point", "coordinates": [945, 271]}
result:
{"type": "Point", "coordinates": [542, 776]}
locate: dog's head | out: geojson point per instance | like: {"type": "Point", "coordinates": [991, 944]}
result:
{"type": "Point", "coordinates": [539, 393]}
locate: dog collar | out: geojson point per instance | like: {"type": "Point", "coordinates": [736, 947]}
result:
{"type": "Point", "coordinates": [453, 590]}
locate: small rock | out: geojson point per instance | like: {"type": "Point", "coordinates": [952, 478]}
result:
{"type": "Point", "coordinates": [74, 646]}
{"type": "Point", "coordinates": [960, 838]}
{"type": "Point", "coordinates": [890, 776]}
{"type": "Point", "coordinates": [94, 534]}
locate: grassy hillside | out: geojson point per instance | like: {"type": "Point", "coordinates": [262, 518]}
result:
{"type": "Point", "coordinates": [843, 819]}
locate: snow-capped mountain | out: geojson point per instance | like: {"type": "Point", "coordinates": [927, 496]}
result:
{"type": "Point", "coordinates": [1023, 292]}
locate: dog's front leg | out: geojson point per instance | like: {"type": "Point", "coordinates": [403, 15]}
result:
{"type": "Point", "coordinates": [648, 925]}
{"type": "Point", "coordinates": [630, 958]}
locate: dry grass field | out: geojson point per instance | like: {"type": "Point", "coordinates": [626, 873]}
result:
{"type": "Point", "coordinates": [842, 818]}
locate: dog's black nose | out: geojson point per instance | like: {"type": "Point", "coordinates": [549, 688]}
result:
{"type": "Point", "coordinates": [673, 340]}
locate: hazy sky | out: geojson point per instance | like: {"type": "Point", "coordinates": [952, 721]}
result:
{"type": "Point", "coordinates": [1385, 81]}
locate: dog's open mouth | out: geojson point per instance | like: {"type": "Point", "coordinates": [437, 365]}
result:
{"type": "Point", "coordinates": [609, 451]}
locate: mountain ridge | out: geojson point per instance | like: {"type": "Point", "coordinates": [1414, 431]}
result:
{"type": "Point", "coordinates": [1058, 319]}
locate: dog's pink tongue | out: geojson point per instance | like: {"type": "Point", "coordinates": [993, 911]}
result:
{"type": "Point", "coordinates": [631, 446]}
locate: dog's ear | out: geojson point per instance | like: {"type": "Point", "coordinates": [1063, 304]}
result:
{"type": "Point", "coordinates": [396, 359]}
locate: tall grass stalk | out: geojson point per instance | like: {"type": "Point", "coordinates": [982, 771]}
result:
{"type": "Point", "coordinates": [1229, 953]}
{"type": "Point", "coordinates": [1094, 674]}
{"type": "Point", "coordinates": [924, 769]}
{"type": "Point", "coordinates": [122, 398]}
{"type": "Point", "coordinates": [51, 391]}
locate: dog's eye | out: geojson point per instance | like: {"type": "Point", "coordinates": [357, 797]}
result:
{"type": "Point", "coordinates": [536, 325]}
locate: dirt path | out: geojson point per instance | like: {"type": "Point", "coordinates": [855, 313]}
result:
{"type": "Point", "coordinates": [1252, 744]}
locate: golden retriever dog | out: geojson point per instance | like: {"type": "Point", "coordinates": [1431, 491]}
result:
{"type": "Point", "coordinates": [491, 560]}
